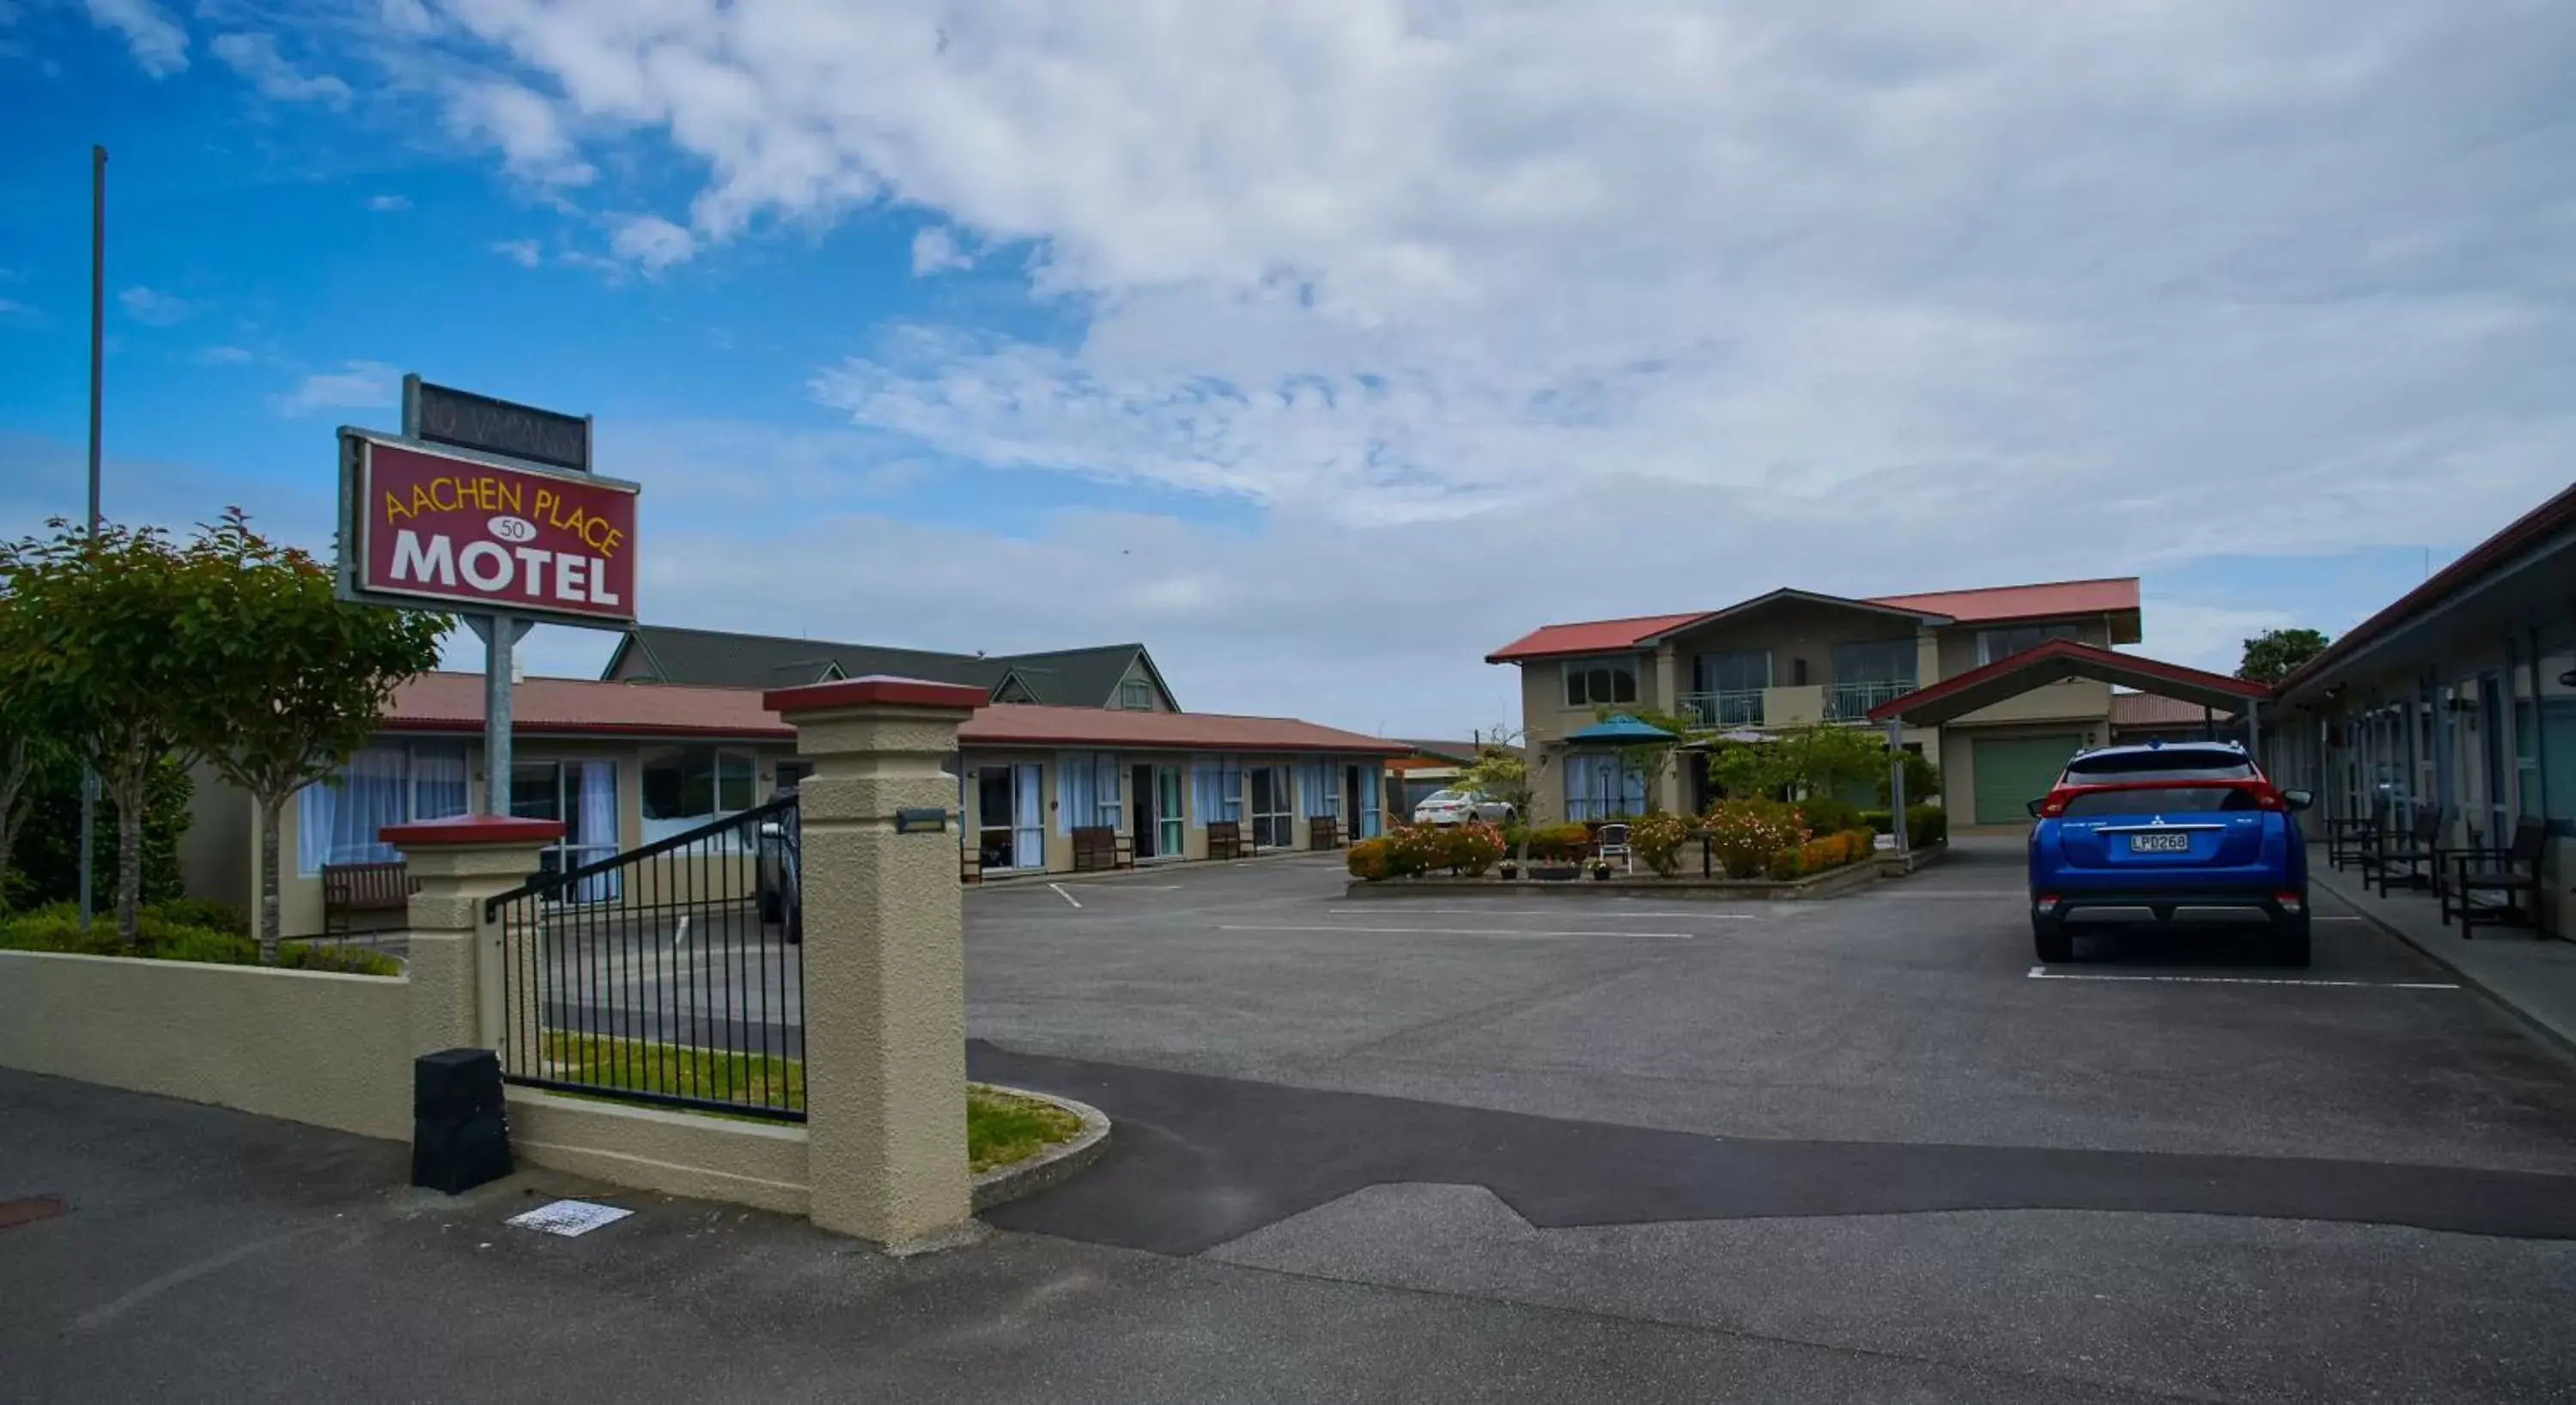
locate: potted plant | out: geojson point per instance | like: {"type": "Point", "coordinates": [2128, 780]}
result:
{"type": "Point", "coordinates": [1600, 870]}
{"type": "Point", "coordinates": [1511, 868]}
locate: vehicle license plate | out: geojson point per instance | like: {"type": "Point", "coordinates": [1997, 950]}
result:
{"type": "Point", "coordinates": [2159, 843]}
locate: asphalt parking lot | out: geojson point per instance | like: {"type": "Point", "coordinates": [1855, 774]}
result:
{"type": "Point", "coordinates": [1870, 1122]}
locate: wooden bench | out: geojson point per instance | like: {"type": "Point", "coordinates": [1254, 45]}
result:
{"type": "Point", "coordinates": [2419, 851]}
{"type": "Point", "coordinates": [2350, 840]}
{"type": "Point", "coordinates": [2511, 873]}
{"type": "Point", "coordinates": [1225, 839]}
{"type": "Point", "coordinates": [352, 888]}
{"type": "Point", "coordinates": [1099, 847]}
{"type": "Point", "coordinates": [1323, 832]}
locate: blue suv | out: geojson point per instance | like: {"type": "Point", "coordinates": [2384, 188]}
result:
{"type": "Point", "coordinates": [2163, 827]}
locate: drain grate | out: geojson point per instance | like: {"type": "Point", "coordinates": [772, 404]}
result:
{"type": "Point", "coordinates": [14, 1213]}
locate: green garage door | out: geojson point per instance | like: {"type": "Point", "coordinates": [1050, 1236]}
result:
{"type": "Point", "coordinates": [2011, 772]}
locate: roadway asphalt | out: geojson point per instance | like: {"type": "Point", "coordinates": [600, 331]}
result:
{"type": "Point", "coordinates": [1490, 1150]}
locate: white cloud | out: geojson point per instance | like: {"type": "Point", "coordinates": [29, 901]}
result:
{"type": "Point", "coordinates": [406, 16]}
{"type": "Point", "coordinates": [18, 314]}
{"type": "Point", "coordinates": [2204, 634]}
{"type": "Point", "coordinates": [523, 125]}
{"type": "Point", "coordinates": [935, 250]}
{"type": "Point", "coordinates": [357, 385]}
{"type": "Point", "coordinates": [255, 57]}
{"type": "Point", "coordinates": [522, 252]}
{"type": "Point", "coordinates": [652, 242]}
{"type": "Point", "coordinates": [157, 41]}
{"type": "Point", "coordinates": [389, 204]}
{"type": "Point", "coordinates": [154, 308]}
{"type": "Point", "coordinates": [223, 356]}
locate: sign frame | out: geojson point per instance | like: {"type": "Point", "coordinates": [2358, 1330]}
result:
{"type": "Point", "coordinates": [354, 522]}
{"type": "Point", "coordinates": [418, 396]}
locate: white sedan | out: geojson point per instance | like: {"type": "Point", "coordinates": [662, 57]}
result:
{"type": "Point", "coordinates": [1460, 806]}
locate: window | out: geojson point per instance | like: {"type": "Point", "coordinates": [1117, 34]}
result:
{"type": "Point", "coordinates": [1735, 671]}
{"type": "Point", "coordinates": [2172, 763]}
{"type": "Point", "coordinates": [337, 820]}
{"type": "Point", "coordinates": [1598, 787]}
{"type": "Point", "coordinates": [1136, 695]}
{"type": "Point", "coordinates": [1217, 789]}
{"type": "Point", "coordinates": [1600, 682]}
{"type": "Point", "coordinates": [1993, 644]}
{"type": "Point", "coordinates": [1274, 817]}
{"type": "Point", "coordinates": [687, 786]}
{"type": "Point", "coordinates": [1879, 661]}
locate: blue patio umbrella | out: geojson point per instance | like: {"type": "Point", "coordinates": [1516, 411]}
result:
{"type": "Point", "coordinates": [1621, 729]}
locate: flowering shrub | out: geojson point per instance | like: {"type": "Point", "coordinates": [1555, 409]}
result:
{"type": "Point", "coordinates": [1746, 834]}
{"type": "Point", "coordinates": [1473, 847]}
{"type": "Point", "coordinates": [1560, 843]}
{"type": "Point", "coordinates": [1371, 859]}
{"type": "Point", "coordinates": [1782, 866]}
{"type": "Point", "coordinates": [1657, 840]}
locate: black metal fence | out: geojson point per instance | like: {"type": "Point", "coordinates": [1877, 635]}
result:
{"type": "Point", "coordinates": [673, 974]}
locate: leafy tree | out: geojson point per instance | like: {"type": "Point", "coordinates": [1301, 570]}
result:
{"type": "Point", "coordinates": [47, 865]}
{"type": "Point", "coordinates": [2275, 653]}
{"type": "Point", "coordinates": [25, 735]}
{"type": "Point", "coordinates": [104, 651]}
{"type": "Point", "coordinates": [1822, 759]}
{"type": "Point", "coordinates": [1922, 781]}
{"type": "Point", "coordinates": [296, 678]}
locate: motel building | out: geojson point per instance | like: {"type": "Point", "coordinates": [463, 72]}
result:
{"type": "Point", "coordinates": [622, 764]}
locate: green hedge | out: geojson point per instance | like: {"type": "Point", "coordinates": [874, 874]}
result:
{"type": "Point", "coordinates": [164, 932]}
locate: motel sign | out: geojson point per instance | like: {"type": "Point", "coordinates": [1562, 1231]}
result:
{"type": "Point", "coordinates": [480, 536]}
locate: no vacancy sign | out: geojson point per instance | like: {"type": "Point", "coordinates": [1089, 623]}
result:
{"type": "Point", "coordinates": [425, 525]}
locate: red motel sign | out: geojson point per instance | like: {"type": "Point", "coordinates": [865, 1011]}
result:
{"type": "Point", "coordinates": [483, 537]}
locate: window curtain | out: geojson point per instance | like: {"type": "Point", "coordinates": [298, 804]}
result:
{"type": "Point", "coordinates": [1310, 801]}
{"type": "Point", "coordinates": [595, 830]}
{"type": "Point", "coordinates": [1075, 790]}
{"type": "Point", "coordinates": [1372, 801]}
{"type": "Point", "coordinates": [1111, 812]}
{"type": "Point", "coordinates": [1028, 835]}
{"type": "Point", "coordinates": [1597, 787]}
{"type": "Point", "coordinates": [1216, 789]}
{"type": "Point", "coordinates": [437, 781]}
{"type": "Point", "coordinates": [337, 820]}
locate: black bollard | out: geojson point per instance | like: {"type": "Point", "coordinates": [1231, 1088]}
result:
{"type": "Point", "coordinates": [460, 1136]}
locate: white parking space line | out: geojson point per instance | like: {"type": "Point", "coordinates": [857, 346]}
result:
{"type": "Point", "coordinates": [1557, 912]}
{"type": "Point", "coordinates": [1453, 931]}
{"type": "Point", "coordinates": [1058, 890]}
{"type": "Point", "coordinates": [2042, 973]}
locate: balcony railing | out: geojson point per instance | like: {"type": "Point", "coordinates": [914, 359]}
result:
{"type": "Point", "coordinates": [1738, 707]}
{"type": "Point", "coordinates": [1851, 702]}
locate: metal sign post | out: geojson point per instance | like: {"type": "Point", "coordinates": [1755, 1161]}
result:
{"type": "Point", "coordinates": [500, 635]}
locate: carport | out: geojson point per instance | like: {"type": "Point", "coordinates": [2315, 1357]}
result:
{"type": "Point", "coordinates": [2051, 662]}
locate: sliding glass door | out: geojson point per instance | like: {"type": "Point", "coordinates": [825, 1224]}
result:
{"type": "Point", "coordinates": [1274, 808]}
{"type": "Point", "coordinates": [582, 796]}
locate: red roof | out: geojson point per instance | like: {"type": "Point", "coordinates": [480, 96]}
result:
{"type": "Point", "coordinates": [453, 702]}
{"type": "Point", "coordinates": [1997, 602]}
{"type": "Point", "coordinates": [2057, 655]}
{"type": "Point", "coordinates": [1590, 636]}
{"type": "Point", "coordinates": [2109, 595]}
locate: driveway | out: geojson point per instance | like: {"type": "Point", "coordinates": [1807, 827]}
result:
{"type": "Point", "coordinates": [1869, 1123]}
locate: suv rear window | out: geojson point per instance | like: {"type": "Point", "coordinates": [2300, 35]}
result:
{"type": "Point", "coordinates": [2172, 763]}
{"type": "Point", "coordinates": [2161, 800]}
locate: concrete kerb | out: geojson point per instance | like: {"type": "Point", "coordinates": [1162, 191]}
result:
{"type": "Point", "coordinates": [1050, 1167]}
{"type": "Point", "coordinates": [1147, 871]}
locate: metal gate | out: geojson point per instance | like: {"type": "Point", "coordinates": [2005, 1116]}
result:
{"type": "Point", "coordinates": [672, 974]}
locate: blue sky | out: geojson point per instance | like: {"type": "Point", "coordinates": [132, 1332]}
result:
{"type": "Point", "coordinates": [1325, 347]}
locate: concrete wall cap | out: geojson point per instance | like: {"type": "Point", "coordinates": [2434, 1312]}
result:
{"type": "Point", "coordinates": [873, 689]}
{"type": "Point", "coordinates": [471, 829]}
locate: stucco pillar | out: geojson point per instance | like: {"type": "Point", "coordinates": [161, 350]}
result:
{"type": "Point", "coordinates": [455, 957]}
{"type": "Point", "coordinates": [885, 959]}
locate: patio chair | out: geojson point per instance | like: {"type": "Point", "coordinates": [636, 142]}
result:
{"type": "Point", "coordinates": [2511, 874]}
{"type": "Point", "coordinates": [2418, 851]}
{"type": "Point", "coordinates": [2349, 838]}
{"type": "Point", "coordinates": [1611, 842]}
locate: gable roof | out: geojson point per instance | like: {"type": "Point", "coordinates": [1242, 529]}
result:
{"type": "Point", "coordinates": [718, 658]}
{"type": "Point", "coordinates": [453, 702]}
{"type": "Point", "coordinates": [2053, 659]}
{"type": "Point", "coordinates": [2111, 595]}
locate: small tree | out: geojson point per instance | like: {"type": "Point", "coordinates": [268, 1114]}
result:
{"type": "Point", "coordinates": [1505, 773]}
{"type": "Point", "coordinates": [1825, 758]}
{"type": "Point", "coordinates": [296, 678]}
{"type": "Point", "coordinates": [1922, 781]}
{"type": "Point", "coordinates": [2275, 653]}
{"type": "Point", "coordinates": [105, 651]}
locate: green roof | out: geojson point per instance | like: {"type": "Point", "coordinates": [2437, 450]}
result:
{"type": "Point", "coordinates": [715, 658]}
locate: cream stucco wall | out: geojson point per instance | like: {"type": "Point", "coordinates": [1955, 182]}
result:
{"type": "Point", "coordinates": [743, 1162]}
{"type": "Point", "coordinates": [309, 1046]}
